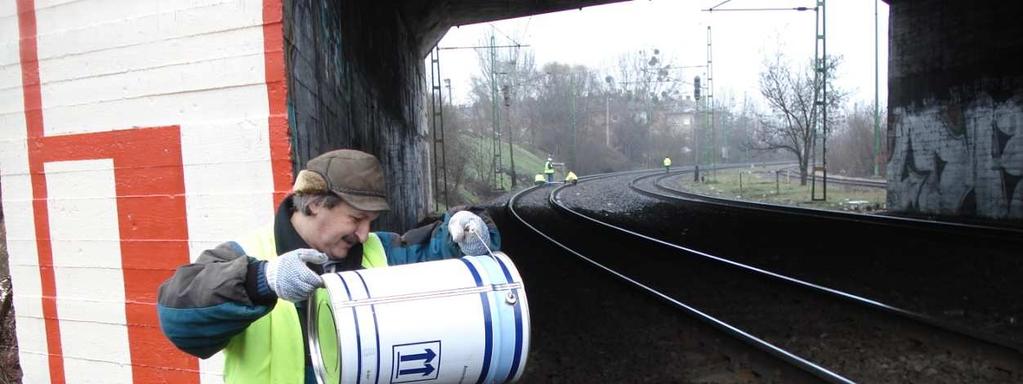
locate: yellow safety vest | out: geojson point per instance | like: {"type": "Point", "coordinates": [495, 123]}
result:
{"type": "Point", "coordinates": [271, 349]}
{"type": "Point", "coordinates": [548, 167]}
{"type": "Point", "coordinates": [667, 162]}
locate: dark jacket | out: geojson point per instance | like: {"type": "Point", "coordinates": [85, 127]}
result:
{"type": "Point", "coordinates": [206, 303]}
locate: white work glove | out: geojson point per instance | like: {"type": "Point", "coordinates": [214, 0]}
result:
{"type": "Point", "coordinates": [461, 224]}
{"type": "Point", "coordinates": [290, 278]}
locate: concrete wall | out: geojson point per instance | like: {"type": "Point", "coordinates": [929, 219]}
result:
{"type": "Point", "coordinates": [956, 107]}
{"type": "Point", "coordinates": [355, 80]}
{"type": "Point", "coordinates": [133, 135]}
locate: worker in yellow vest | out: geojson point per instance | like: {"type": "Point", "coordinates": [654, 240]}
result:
{"type": "Point", "coordinates": [571, 178]}
{"type": "Point", "coordinates": [548, 170]}
{"type": "Point", "coordinates": [248, 297]}
{"type": "Point", "coordinates": [667, 163]}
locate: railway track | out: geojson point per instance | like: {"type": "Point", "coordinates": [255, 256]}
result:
{"type": "Point", "coordinates": [956, 274]}
{"type": "Point", "coordinates": [842, 180]}
{"type": "Point", "coordinates": [662, 190]}
{"type": "Point", "coordinates": [773, 364]}
{"type": "Point", "coordinates": [835, 336]}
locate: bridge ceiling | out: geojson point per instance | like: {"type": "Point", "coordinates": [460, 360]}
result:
{"type": "Point", "coordinates": [430, 20]}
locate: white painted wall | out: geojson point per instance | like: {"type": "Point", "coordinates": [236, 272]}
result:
{"type": "Point", "coordinates": [112, 65]}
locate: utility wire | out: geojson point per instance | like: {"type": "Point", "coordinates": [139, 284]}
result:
{"type": "Point", "coordinates": [759, 9]}
{"type": "Point", "coordinates": [720, 4]}
{"type": "Point", "coordinates": [505, 34]}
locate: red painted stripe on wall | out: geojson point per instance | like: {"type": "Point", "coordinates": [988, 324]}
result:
{"type": "Point", "coordinates": [152, 223]}
{"type": "Point", "coordinates": [34, 122]}
{"type": "Point", "coordinates": [150, 199]}
{"type": "Point", "coordinates": [277, 96]}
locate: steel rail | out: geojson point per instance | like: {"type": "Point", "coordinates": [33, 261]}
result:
{"type": "Point", "coordinates": [869, 303]}
{"type": "Point", "coordinates": [892, 221]}
{"type": "Point", "coordinates": [817, 213]}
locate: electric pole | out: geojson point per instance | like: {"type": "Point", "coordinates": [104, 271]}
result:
{"type": "Point", "coordinates": [495, 117]}
{"type": "Point", "coordinates": [440, 169]}
{"type": "Point", "coordinates": [877, 115]}
{"type": "Point", "coordinates": [511, 133]}
{"type": "Point", "coordinates": [820, 99]}
{"type": "Point", "coordinates": [710, 106]}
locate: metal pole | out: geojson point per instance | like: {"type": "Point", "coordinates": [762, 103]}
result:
{"type": "Point", "coordinates": [824, 97]}
{"type": "Point", "coordinates": [495, 117]}
{"type": "Point", "coordinates": [511, 137]}
{"type": "Point", "coordinates": [877, 115]}
{"type": "Point", "coordinates": [443, 153]}
{"type": "Point", "coordinates": [820, 103]}
{"type": "Point", "coordinates": [607, 121]}
{"type": "Point", "coordinates": [575, 143]}
{"type": "Point", "coordinates": [714, 150]}
{"type": "Point", "coordinates": [451, 96]}
{"type": "Point", "coordinates": [440, 179]}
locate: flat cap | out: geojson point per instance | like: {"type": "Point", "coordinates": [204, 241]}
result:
{"type": "Point", "coordinates": [355, 176]}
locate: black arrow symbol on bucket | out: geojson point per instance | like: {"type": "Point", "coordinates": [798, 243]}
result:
{"type": "Point", "coordinates": [427, 357]}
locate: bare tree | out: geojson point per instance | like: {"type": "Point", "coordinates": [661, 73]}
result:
{"type": "Point", "coordinates": [790, 93]}
{"type": "Point", "coordinates": [853, 152]}
{"type": "Point", "coordinates": [643, 91]}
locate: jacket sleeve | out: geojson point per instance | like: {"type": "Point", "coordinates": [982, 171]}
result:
{"type": "Point", "coordinates": [205, 303]}
{"type": "Point", "coordinates": [431, 241]}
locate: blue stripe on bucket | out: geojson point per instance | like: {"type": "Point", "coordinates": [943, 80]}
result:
{"type": "Point", "coordinates": [518, 325]}
{"type": "Point", "coordinates": [358, 335]}
{"type": "Point", "coordinates": [376, 327]}
{"type": "Point", "coordinates": [518, 340]}
{"type": "Point", "coordinates": [488, 328]}
{"type": "Point", "coordinates": [504, 268]}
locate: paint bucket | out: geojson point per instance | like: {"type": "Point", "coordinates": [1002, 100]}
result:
{"type": "Point", "coordinates": [460, 320]}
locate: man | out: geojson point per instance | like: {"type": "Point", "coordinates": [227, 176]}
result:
{"type": "Point", "coordinates": [667, 164]}
{"type": "Point", "coordinates": [248, 297]}
{"type": "Point", "coordinates": [571, 178]}
{"type": "Point", "coordinates": [548, 170]}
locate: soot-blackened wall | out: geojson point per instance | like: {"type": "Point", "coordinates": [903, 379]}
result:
{"type": "Point", "coordinates": [355, 81]}
{"type": "Point", "coordinates": [956, 128]}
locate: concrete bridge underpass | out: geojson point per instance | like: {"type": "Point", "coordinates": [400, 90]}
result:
{"type": "Point", "coordinates": [135, 134]}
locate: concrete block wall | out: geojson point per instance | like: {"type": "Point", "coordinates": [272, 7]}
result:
{"type": "Point", "coordinates": [355, 80]}
{"type": "Point", "coordinates": [133, 135]}
{"type": "Point", "coordinates": [956, 107]}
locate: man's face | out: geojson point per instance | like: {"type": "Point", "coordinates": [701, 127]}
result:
{"type": "Point", "coordinates": [336, 230]}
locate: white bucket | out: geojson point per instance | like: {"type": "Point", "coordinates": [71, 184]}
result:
{"type": "Point", "coordinates": [460, 320]}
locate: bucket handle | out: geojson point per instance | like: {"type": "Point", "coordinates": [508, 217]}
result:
{"type": "Point", "coordinates": [485, 245]}
{"type": "Point", "coordinates": [510, 296]}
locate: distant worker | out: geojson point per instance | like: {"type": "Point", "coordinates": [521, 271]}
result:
{"type": "Point", "coordinates": [548, 170]}
{"type": "Point", "coordinates": [571, 178]}
{"type": "Point", "coordinates": [667, 164]}
{"type": "Point", "coordinates": [539, 179]}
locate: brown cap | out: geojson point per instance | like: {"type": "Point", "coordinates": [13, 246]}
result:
{"type": "Point", "coordinates": [356, 176]}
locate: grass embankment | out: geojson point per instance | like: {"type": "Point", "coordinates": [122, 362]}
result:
{"type": "Point", "coordinates": [760, 184]}
{"type": "Point", "coordinates": [527, 164]}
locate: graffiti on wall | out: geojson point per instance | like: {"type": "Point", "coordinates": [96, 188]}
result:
{"type": "Point", "coordinates": [957, 160]}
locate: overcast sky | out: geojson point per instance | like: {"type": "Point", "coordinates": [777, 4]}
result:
{"type": "Point", "coordinates": [597, 36]}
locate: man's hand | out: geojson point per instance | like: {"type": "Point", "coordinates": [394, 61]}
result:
{"type": "Point", "coordinates": [290, 278]}
{"type": "Point", "coordinates": [461, 224]}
